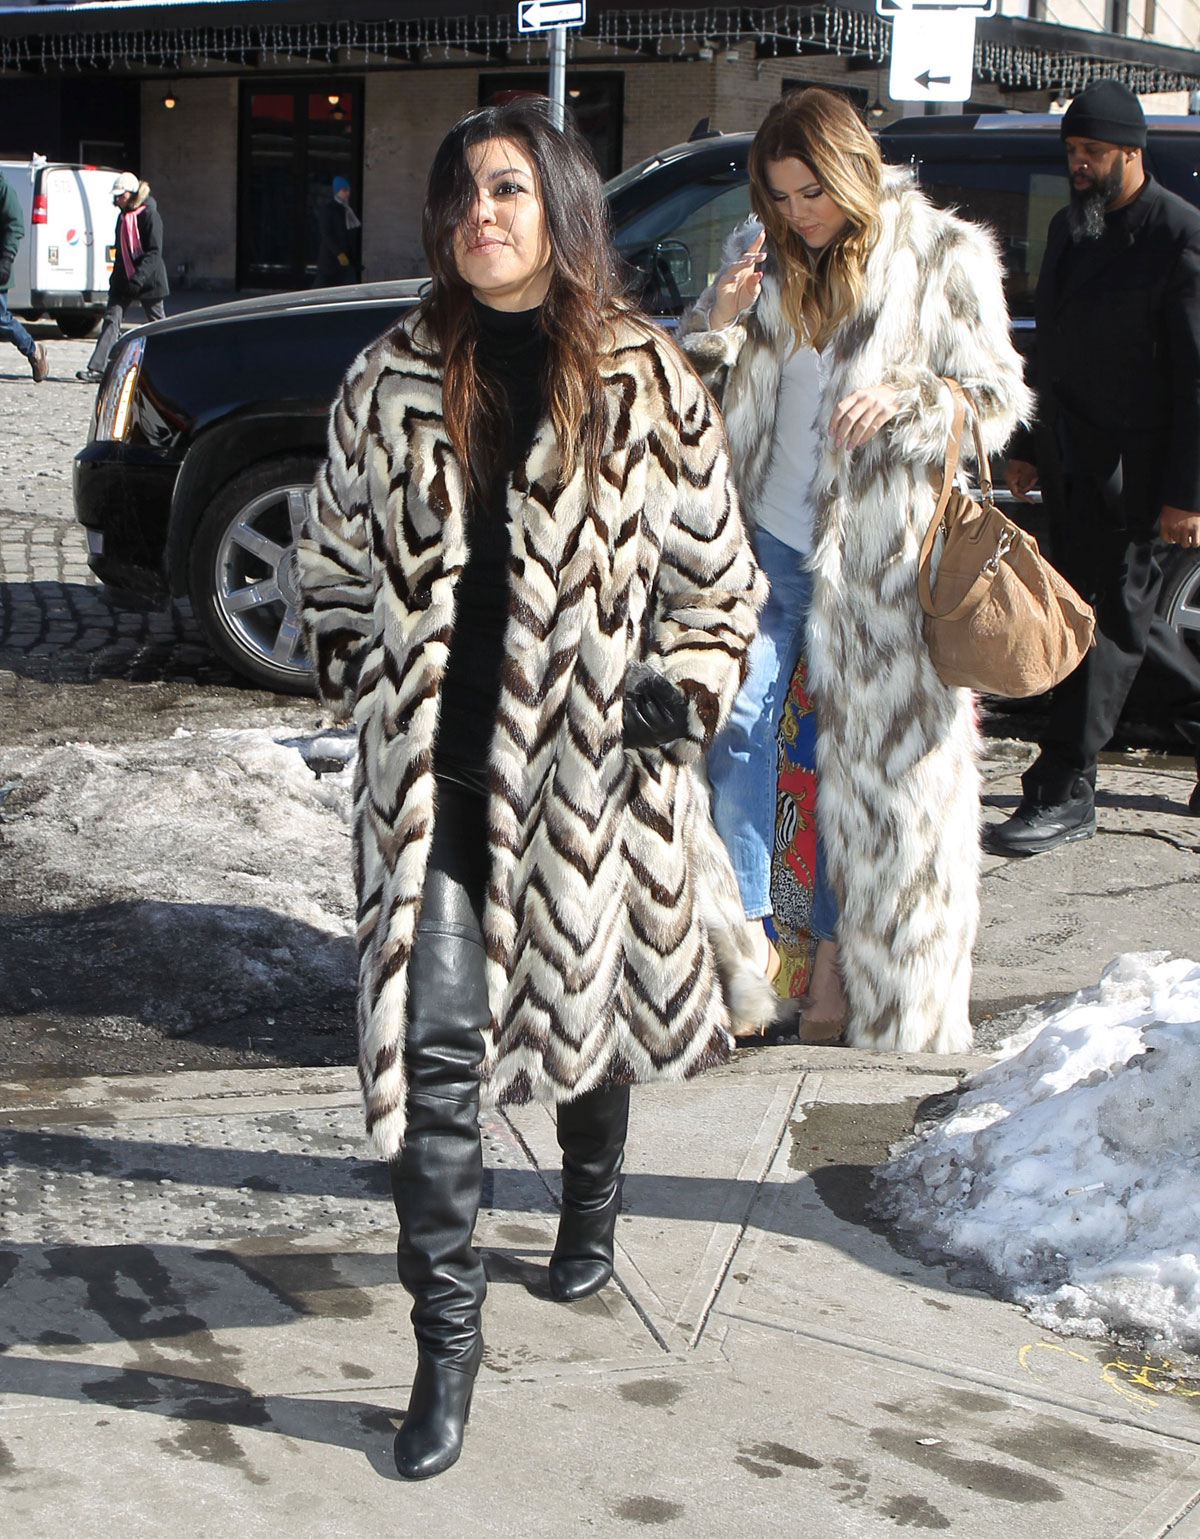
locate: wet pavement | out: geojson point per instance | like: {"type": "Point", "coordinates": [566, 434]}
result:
{"type": "Point", "coordinates": [202, 1331]}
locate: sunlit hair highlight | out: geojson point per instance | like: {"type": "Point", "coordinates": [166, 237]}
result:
{"type": "Point", "coordinates": [820, 289]}
{"type": "Point", "coordinates": [581, 303]}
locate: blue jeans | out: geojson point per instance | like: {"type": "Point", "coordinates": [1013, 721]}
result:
{"type": "Point", "coordinates": [12, 331]}
{"type": "Point", "coordinates": [743, 764]}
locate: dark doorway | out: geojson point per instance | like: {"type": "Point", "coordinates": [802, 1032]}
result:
{"type": "Point", "coordinates": [596, 100]}
{"type": "Point", "coordinates": [293, 141]}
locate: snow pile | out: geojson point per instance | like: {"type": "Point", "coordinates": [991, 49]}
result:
{"type": "Point", "coordinates": [1069, 1170]}
{"type": "Point", "coordinates": [181, 881]}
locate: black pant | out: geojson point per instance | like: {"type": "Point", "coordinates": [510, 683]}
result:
{"type": "Point", "coordinates": [110, 331]}
{"type": "Point", "coordinates": [1118, 572]}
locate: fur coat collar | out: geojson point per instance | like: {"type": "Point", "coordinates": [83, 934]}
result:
{"type": "Point", "coordinates": [612, 918]}
{"type": "Point", "coordinates": [898, 787]}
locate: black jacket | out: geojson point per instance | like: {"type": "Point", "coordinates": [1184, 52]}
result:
{"type": "Point", "coordinates": [1117, 366]}
{"type": "Point", "coordinates": [336, 241]}
{"type": "Point", "coordinates": [149, 280]}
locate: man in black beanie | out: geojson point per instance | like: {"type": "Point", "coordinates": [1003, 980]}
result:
{"type": "Point", "coordinates": [1116, 448]}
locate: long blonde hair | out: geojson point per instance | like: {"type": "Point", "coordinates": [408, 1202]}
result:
{"type": "Point", "coordinates": [821, 289]}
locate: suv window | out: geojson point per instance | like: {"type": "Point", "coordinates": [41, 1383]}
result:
{"type": "Point", "coordinates": [676, 243]}
{"type": "Point", "coordinates": [1175, 162]}
{"type": "Point", "coordinates": [1016, 197]}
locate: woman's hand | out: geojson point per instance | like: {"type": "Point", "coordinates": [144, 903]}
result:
{"type": "Point", "coordinates": [738, 285]}
{"type": "Point", "coordinates": [860, 415]}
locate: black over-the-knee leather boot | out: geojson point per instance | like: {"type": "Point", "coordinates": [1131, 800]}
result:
{"type": "Point", "coordinates": [591, 1135]}
{"type": "Point", "coordinates": [436, 1179]}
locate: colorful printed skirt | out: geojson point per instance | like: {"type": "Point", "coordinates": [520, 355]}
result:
{"type": "Point", "coordinates": [794, 860]}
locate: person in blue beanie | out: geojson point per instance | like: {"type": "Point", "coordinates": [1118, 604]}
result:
{"type": "Point", "coordinates": [339, 256]}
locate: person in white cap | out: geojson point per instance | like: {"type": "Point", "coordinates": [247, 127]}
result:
{"type": "Point", "coordinates": [139, 275]}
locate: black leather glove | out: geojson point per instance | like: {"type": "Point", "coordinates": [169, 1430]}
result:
{"type": "Point", "coordinates": [656, 711]}
{"type": "Point", "coordinates": [6, 262]}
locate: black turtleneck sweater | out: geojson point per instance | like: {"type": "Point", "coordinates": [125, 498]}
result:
{"type": "Point", "coordinates": [511, 349]}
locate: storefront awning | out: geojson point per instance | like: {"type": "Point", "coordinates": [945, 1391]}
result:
{"type": "Point", "coordinates": [184, 34]}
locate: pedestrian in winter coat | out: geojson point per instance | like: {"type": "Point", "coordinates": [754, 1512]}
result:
{"type": "Point", "coordinates": [12, 233]}
{"type": "Point", "coordinates": [1116, 448]}
{"type": "Point", "coordinates": [139, 275]}
{"type": "Point", "coordinates": [848, 261]}
{"type": "Point", "coordinates": [339, 231]}
{"type": "Point", "coordinates": [527, 581]}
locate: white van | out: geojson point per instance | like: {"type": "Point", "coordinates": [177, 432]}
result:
{"type": "Point", "coordinates": [63, 264]}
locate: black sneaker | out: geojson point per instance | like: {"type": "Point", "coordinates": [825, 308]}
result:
{"type": "Point", "coordinates": [92, 376]}
{"type": "Point", "coordinates": [1039, 826]}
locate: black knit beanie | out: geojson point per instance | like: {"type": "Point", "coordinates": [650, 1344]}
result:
{"type": "Point", "coordinates": [1107, 111]}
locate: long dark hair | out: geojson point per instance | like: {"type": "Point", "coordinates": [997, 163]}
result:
{"type": "Point", "coordinates": [581, 301]}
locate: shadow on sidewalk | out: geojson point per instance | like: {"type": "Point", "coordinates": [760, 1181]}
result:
{"type": "Point", "coordinates": [210, 1411]}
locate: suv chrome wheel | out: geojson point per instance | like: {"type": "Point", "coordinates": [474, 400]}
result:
{"type": "Point", "coordinates": [243, 575]}
{"type": "Point", "coordinates": [1179, 602]}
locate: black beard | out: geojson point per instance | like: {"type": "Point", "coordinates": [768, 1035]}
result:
{"type": "Point", "coordinates": [1087, 208]}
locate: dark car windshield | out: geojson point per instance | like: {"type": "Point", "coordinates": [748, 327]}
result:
{"type": "Point", "coordinates": [1175, 161]}
{"type": "Point", "coordinates": [678, 240]}
{"type": "Point", "coordinates": [1016, 192]}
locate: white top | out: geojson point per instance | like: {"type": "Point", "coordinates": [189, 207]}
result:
{"type": "Point", "coordinates": [784, 509]}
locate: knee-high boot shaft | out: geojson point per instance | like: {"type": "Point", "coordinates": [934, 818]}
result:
{"type": "Point", "coordinates": [591, 1135]}
{"type": "Point", "coordinates": [438, 1175]}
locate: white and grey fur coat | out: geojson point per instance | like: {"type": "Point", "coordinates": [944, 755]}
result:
{"type": "Point", "coordinates": [897, 780]}
{"type": "Point", "coordinates": [612, 921]}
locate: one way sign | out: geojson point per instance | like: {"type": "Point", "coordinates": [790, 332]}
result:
{"type": "Point", "coordinates": [541, 15]}
{"type": "Point", "coordinates": [933, 56]}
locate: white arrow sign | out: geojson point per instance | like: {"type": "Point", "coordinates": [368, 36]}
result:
{"type": "Point", "coordinates": [933, 57]}
{"type": "Point", "coordinates": [541, 15]}
{"type": "Point", "coordinates": [891, 8]}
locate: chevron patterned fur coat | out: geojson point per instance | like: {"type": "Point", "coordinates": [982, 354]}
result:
{"type": "Point", "coordinates": [898, 785]}
{"type": "Point", "coordinates": [612, 919]}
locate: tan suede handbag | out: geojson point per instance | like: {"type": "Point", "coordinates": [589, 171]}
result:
{"type": "Point", "coordinates": [998, 618]}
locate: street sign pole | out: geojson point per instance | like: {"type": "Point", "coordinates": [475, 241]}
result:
{"type": "Point", "coordinates": [558, 75]}
{"type": "Point", "coordinates": [554, 17]}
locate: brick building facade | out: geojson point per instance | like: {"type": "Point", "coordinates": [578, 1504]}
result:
{"type": "Point", "coordinates": [262, 113]}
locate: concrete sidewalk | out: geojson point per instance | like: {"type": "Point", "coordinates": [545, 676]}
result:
{"type": "Point", "coordinates": [203, 1335]}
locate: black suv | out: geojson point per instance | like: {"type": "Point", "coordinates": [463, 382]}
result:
{"type": "Point", "coordinates": [209, 426]}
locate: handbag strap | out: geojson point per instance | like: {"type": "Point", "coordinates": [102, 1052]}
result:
{"type": "Point", "coordinates": [949, 470]}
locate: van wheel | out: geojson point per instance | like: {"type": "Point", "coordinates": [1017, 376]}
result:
{"type": "Point", "coordinates": [242, 578]}
{"type": "Point", "coordinates": [1179, 599]}
{"type": "Point", "coordinates": [77, 323]}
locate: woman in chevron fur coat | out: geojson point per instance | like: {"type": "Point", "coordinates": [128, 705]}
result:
{"type": "Point", "coordinates": [528, 582]}
{"type": "Point", "coordinates": [888, 296]}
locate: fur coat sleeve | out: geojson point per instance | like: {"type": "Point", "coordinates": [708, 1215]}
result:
{"type": "Point", "coordinates": [335, 558]}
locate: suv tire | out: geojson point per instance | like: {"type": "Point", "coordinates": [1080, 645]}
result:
{"type": "Point", "coordinates": [241, 573]}
{"type": "Point", "coordinates": [1179, 597]}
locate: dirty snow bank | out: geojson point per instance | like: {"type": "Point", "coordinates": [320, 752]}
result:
{"type": "Point", "coordinates": [1069, 1170]}
{"type": "Point", "coordinates": [180, 881]}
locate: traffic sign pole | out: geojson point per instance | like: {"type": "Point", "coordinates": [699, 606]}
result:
{"type": "Point", "coordinates": [558, 76]}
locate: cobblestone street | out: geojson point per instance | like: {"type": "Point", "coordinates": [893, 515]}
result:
{"type": "Point", "coordinates": [56, 623]}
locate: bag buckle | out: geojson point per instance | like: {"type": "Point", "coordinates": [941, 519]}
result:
{"type": "Point", "coordinates": [1008, 538]}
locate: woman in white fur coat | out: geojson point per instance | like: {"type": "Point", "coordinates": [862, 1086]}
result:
{"type": "Point", "coordinates": [852, 281]}
{"type": "Point", "coordinates": [528, 580]}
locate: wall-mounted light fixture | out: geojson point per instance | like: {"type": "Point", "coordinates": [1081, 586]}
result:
{"type": "Point", "coordinates": [333, 98]}
{"type": "Point", "coordinates": [169, 99]}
